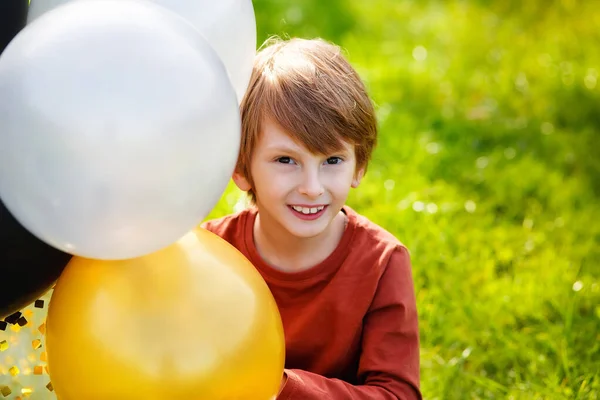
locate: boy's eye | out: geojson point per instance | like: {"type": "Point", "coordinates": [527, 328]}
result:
{"type": "Point", "coordinates": [284, 160]}
{"type": "Point", "coordinates": [334, 160]}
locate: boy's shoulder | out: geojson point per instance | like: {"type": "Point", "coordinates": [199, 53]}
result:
{"type": "Point", "coordinates": [373, 249]}
{"type": "Point", "coordinates": [371, 232]}
{"type": "Point", "coordinates": [231, 224]}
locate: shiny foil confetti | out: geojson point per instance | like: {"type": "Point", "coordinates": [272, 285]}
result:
{"type": "Point", "coordinates": [23, 359]}
{"type": "Point", "coordinates": [5, 391]}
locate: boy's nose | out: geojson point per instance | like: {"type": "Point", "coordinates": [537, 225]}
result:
{"type": "Point", "coordinates": [311, 185]}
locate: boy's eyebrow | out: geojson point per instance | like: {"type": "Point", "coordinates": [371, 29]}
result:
{"type": "Point", "coordinates": [295, 150]}
{"type": "Point", "coordinates": [283, 149]}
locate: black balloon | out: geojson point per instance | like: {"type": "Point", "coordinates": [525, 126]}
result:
{"type": "Point", "coordinates": [13, 17]}
{"type": "Point", "coordinates": [28, 266]}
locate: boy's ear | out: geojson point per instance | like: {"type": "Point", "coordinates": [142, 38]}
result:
{"type": "Point", "coordinates": [358, 177]}
{"type": "Point", "coordinates": [241, 182]}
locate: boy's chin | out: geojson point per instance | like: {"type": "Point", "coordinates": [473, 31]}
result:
{"type": "Point", "coordinates": [307, 229]}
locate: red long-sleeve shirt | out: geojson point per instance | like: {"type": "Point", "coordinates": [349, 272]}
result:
{"type": "Point", "coordinates": [350, 322]}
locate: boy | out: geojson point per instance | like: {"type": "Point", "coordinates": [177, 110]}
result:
{"type": "Point", "coordinates": [343, 285]}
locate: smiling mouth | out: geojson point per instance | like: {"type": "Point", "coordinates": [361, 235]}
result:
{"type": "Point", "coordinates": [308, 210]}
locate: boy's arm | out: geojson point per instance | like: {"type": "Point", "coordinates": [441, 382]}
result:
{"type": "Point", "coordinates": [389, 363]}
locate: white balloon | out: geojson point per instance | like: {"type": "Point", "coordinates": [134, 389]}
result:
{"type": "Point", "coordinates": [228, 25]}
{"type": "Point", "coordinates": [119, 128]}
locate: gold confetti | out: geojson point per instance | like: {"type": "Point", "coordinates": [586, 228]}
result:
{"type": "Point", "coordinates": [5, 390]}
{"type": "Point", "coordinates": [23, 369]}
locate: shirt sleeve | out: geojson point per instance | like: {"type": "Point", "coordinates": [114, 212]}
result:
{"type": "Point", "coordinates": [389, 363]}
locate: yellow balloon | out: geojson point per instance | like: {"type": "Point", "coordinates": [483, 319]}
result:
{"type": "Point", "coordinates": [192, 321]}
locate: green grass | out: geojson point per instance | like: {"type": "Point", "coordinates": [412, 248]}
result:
{"type": "Point", "coordinates": [488, 169]}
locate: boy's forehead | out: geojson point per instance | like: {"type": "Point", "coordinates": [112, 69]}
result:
{"type": "Point", "coordinates": [273, 134]}
{"type": "Point", "coordinates": [274, 137]}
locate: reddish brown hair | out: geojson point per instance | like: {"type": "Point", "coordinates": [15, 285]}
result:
{"type": "Point", "coordinates": [311, 90]}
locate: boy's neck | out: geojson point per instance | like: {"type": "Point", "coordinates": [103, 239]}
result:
{"type": "Point", "coordinates": [288, 253]}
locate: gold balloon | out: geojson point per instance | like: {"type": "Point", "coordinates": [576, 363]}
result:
{"type": "Point", "coordinates": [192, 321]}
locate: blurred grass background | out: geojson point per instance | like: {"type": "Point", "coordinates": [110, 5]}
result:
{"type": "Point", "coordinates": [488, 169]}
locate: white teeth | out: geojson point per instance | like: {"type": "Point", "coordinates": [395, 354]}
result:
{"type": "Point", "coordinates": [306, 210]}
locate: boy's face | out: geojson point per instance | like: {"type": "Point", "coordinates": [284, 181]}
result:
{"type": "Point", "coordinates": [295, 189]}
